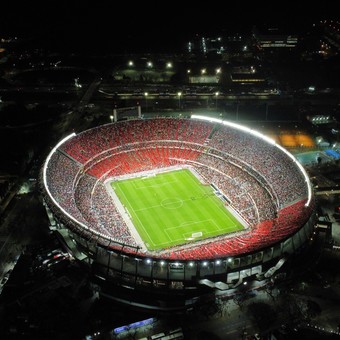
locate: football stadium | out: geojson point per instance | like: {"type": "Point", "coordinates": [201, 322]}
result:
{"type": "Point", "coordinates": [174, 207]}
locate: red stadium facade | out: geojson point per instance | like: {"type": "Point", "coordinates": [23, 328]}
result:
{"type": "Point", "coordinates": [263, 183]}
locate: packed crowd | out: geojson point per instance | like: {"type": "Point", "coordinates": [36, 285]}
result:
{"type": "Point", "coordinates": [108, 216]}
{"type": "Point", "coordinates": [92, 142]}
{"type": "Point", "coordinates": [105, 218]}
{"type": "Point", "coordinates": [139, 158]}
{"type": "Point", "coordinates": [244, 192]}
{"type": "Point", "coordinates": [266, 159]}
{"type": "Point", "coordinates": [252, 174]}
{"type": "Point", "coordinates": [61, 183]}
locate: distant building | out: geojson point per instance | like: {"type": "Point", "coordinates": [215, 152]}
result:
{"type": "Point", "coordinates": [331, 33]}
{"type": "Point", "coordinates": [247, 78]}
{"type": "Point", "coordinates": [320, 119]}
{"type": "Point", "coordinates": [204, 45]}
{"type": "Point", "coordinates": [217, 45]}
{"type": "Point", "coordinates": [246, 75]}
{"type": "Point", "coordinates": [273, 38]}
{"type": "Point", "coordinates": [208, 79]}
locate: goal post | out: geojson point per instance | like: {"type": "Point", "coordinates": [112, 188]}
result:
{"type": "Point", "coordinates": [193, 236]}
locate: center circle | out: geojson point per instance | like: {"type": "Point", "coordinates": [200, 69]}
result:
{"type": "Point", "coordinates": [171, 203]}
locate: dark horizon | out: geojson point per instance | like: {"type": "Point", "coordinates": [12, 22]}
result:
{"type": "Point", "coordinates": [145, 27]}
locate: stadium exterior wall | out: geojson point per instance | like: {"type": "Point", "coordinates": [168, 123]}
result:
{"type": "Point", "coordinates": [134, 270]}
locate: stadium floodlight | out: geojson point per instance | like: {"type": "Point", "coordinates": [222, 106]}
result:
{"type": "Point", "coordinates": [209, 119]}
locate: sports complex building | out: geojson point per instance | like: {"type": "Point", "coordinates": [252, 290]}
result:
{"type": "Point", "coordinates": [169, 208]}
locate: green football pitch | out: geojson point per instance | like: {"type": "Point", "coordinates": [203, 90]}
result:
{"type": "Point", "coordinates": [173, 208]}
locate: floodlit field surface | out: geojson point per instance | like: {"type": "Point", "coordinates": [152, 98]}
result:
{"type": "Point", "coordinates": [174, 208]}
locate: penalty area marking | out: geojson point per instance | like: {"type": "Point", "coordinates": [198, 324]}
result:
{"type": "Point", "coordinates": [167, 231]}
{"type": "Point", "coordinates": [185, 236]}
{"type": "Point", "coordinates": [154, 185]}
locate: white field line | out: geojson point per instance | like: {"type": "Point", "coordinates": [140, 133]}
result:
{"type": "Point", "coordinates": [125, 216]}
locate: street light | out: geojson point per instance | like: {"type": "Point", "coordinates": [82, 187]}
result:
{"type": "Point", "coordinates": [169, 65]}
{"type": "Point", "coordinates": [216, 95]}
{"type": "Point", "coordinates": [179, 99]}
{"type": "Point", "coordinates": [130, 63]}
{"type": "Point", "coordinates": [146, 99]}
{"type": "Point", "coordinates": [111, 118]}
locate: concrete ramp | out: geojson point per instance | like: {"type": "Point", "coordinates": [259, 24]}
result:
{"type": "Point", "coordinates": [218, 285]}
{"type": "Point", "coordinates": [271, 271]}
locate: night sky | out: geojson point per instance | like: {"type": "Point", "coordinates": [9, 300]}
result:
{"type": "Point", "coordinates": [148, 26]}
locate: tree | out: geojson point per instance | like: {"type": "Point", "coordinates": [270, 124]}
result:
{"type": "Point", "coordinates": [263, 314]}
{"type": "Point", "coordinates": [313, 309]}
